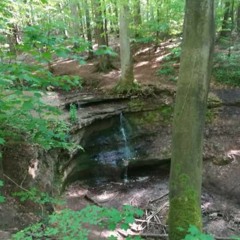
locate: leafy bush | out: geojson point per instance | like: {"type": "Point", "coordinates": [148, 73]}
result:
{"type": "Point", "coordinates": [2, 198]}
{"type": "Point", "coordinates": [226, 70]}
{"type": "Point", "coordinates": [105, 50]}
{"type": "Point", "coordinates": [167, 69]}
{"type": "Point", "coordinates": [73, 113]}
{"type": "Point", "coordinates": [23, 114]}
{"type": "Point", "coordinates": [195, 234]}
{"type": "Point", "coordinates": [36, 196]}
{"type": "Point", "coordinates": [29, 77]}
{"type": "Point", "coordinates": [70, 225]}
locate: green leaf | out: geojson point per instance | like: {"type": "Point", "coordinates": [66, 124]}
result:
{"type": "Point", "coordinates": [129, 219]}
{"type": "Point", "coordinates": [112, 226]}
{"type": "Point", "coordinates": [27, 106]}
{"type": "Point", "coordinates": [1, 183]}
{"type": "Point", "coordinates": [112, 238]}
{"type": "Point", "coordinates": [2, 141]}
{"type": "Point", "coordinates": [193, 230]}
{"type": "Point", "coordinates": [2, 199]}
{"type": "Point", "coordinates": [124, 226]}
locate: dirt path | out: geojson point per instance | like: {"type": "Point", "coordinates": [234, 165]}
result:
{"type": "Point", "coordinates": [147, 61]}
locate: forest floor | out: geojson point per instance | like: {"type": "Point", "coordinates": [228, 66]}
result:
{"type": "Point", "coordinates": [147, 59]}
{"type": "Point", "coordinates": [221, 217]}
{"type": "Point", "coordinates": [150, 193]}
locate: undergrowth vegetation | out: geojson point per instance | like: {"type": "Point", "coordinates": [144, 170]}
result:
{"type": "Point", "coordinates": [226, 69]}
{"type": "Point", "coordinates": [71, 225]}
{"type": "Point", "coordinates": [25, 76]}
{"type": "Point", "coordinates": [168, 67]}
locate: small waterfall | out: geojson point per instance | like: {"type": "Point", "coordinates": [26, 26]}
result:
{"type": "Point", "coordinates": [127, 153]}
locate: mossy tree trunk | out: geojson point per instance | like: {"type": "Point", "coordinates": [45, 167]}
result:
{"type": "Point", "coordinates": [127, 76]}
{"type": "Point", "coordinates": [189, 117]}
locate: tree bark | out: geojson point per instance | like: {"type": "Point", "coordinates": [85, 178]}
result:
{"type": "Point", "coordinates": [100, 36]}
{"type": "Point", "coordinates": [238, 19]}
{"type": "Point", "coordinates": [76, 27]}
{"type": "Point", "coordinates": [225, 23]}
{"type": "Point", "coordinates": [127, 76]}
{"type": "Point", "coordinates": [189, 116]}
{"type": "Point", "coordinates": [89, 32]}
{"type": "Point", "coordinates": [137, 17]}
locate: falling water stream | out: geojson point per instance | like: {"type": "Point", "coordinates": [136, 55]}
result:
{"type": "Point", "coordinates": [127, 153]}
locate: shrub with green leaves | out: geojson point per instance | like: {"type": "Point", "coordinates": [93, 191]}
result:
{"type": "Point", "coordinates": [195, 234]}
{"type": "Point", "coordinates": [2, 198]}
{"type": "Point", "coordinates": [36, 196]}
{"type": "Point", "coordinates": [70, 225]}
{"type": "Point", "coordinates": [226, 70]}
{"type": "Point", "coordinates": [73, 113]}
{"type": "Point", "coordinates": [166, 69]}
{"type": "Point", "coordinates": [23, 114]}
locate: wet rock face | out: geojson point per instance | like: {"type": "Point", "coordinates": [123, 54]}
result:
{"type": "Point", "coordinates": [148, 132]}
{"type": "Point", "coordinates": [149, 138]}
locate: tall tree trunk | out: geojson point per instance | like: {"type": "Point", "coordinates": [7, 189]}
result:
{"type": "Point", "coordinates": [127, 77]}
{"type": "Point", "coordinates": [225, 23]}
{"type": "Point", "coordinates": [104, 60]}
{"type": "Point", "coordinates": [14, 38]}
{"type": "Point", "coordinates": [65, 31]}
{"type": "Point", "coordinates": [89, 32]}
{"type": "Point", "coordinates": [76, 28]}
{"type": "Point", "coordinates": [232, 15]}
{"type": "Point", "coordinates": [238, 19]}
{"type": "Point", "coordinates": [105, 23]}
{"type": "Point", "coordinates": [189, 117]}
{"type": "Point", "coordinates": [117, 17]}
{"type": "Point", "coordinates": [137, 17]}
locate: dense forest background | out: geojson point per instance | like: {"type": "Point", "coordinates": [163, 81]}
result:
{"type": "Point", "coordinates": [36, 34]}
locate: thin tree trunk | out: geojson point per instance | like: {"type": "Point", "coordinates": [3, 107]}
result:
{"type": "Point", "coordinates": [225, 23]}
{"type": "Point", "coordinates": [65, 32]}
{"type": "Point", "coordinates": [105, 24]}
{"type": "Point", "coordinates": [189, 117]}
{"type": "Point", "coordinates": [232, 15]}
{"type": "Point", "coordinates": [104, 60]}
{"type": "Point", "coordinates": [238, 19]}
{"type": "Point", "coordinates": [76, 28]}
{"type": "Point", "coordinates": [89, 32]}
{"type": "Point", "coordinates": [137, 17]}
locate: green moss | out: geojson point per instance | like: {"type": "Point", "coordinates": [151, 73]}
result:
{"type": "Point", "coordinates": [166, 111]}
{"type": "Point", "coordinates": [145, 119]}
{"type": "Point", "coordinates": [161, 115]}
{"type": "Point", "coordinates": [127, 87]}
{"type": "Point", "coordinates": [136, 104]}
{"type": "Point", "coordinates": [184, 180]}
{"type": "Point", "coordinates": [185, 210]}
{"type": "Point", "coordinates": [211, 114]}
